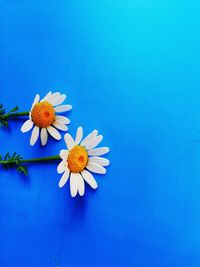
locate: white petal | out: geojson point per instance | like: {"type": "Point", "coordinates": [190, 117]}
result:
{"type": "Point", "coordinates": [61, 167]}
{"type": "Point", "coordinates": [96, 168]}
{"type": "Point", "coordinates": [100, 161]}
{"type": "Point", "coordinates": [81, 184]}
{"type": "Point", "coordinates": [59, 100]}
{"type": "Point", "coordinates": [89, 138]}
{"type": "Point", "coordinates": [34, 135]}
{"type": "Point", "coordinates": [95, 132]}
{"type": "Point", "coordinates": [69, 141]}
{"type": "Point", "coordinates": [79, 135]}
{"type": "Point", "coordinates": [60, 126]}
{"type": "Point", "coordinates": [64, 178]}
{"type": "Point", "coordinates": [53, 97]}
{"type": "Point", "coordinates": [62, 119]}
{"type": "Point", "coordinates": [44, 136]}
{"type": "Point", "coordinates": [63, 108]}
{"type": "Point", "coordinates": [27, 126]}
{"type": "Point", "coordinates": [56, 94]}
{"type": "Point", "coordinates": [54, 133]}
{"type": "Point", "coordinates": [98, 151]}
{"type": "Point", "coordinates": [64, 154]}
{"type": "Point", "coordinates": [47, 96]}
{"type": "Point", "coordinates": [36, 100]}
{"type": "Point", "coordinates": [73, 184]}
{"type": "Point", "coordinates": [94, 142]}
{"type": "Point", "coordinates": [88, 177]}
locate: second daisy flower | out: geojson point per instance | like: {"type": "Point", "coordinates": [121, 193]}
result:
{"type": "Point", "coordinates": [80, 159]}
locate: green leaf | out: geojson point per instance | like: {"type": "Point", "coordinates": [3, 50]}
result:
{"type": "Point", "coordinates": [23, 169]}
{"type": "Point", "coordinates": [14, 109]}
{"type": "Point", "coordinates": [5, 116]}
{"type": "Point", "coordinates": [14, 161]}
{"type": "Point", "coordinates": [7, 156]}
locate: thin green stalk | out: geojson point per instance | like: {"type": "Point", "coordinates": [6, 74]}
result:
{"type": "Point", "coordinates": [16, 161]}
{"type": "Point", "coordinates": [51, 158]}
{"type": "Point", "coordinates": [16, 114]}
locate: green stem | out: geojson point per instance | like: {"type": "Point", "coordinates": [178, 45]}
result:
{"type": "Point", "coordinates": [51, 158]}
{"type": "Point", "coordinates": [16, 114]}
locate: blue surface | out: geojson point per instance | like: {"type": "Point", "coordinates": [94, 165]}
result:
{"type": "Point", "coordinates": [131, 70]}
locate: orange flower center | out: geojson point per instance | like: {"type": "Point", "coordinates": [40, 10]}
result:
{"type": "Point", "coordinates": [43, 114]}
{"type": "Point", "coordinates": [77, 159]}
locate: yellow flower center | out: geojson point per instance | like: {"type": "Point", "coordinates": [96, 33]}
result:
{"type": "Point", "coordinates": [43, 114]}
{"type": "Point", "coordinates": [77, 159]}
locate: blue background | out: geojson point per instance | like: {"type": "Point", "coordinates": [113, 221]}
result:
{"type": "Point", "coordinates": [131, 70]}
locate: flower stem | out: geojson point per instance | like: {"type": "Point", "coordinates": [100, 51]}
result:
{"type": "Point", "coordinates": [51, 158]}
{"type": "Point", "coordinates": [16, 114]}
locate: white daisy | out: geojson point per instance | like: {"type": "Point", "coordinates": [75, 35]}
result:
{"type": "Point", "coordinates": [80, 159]}
{"type": "Point", "coordinates": [43, 117]}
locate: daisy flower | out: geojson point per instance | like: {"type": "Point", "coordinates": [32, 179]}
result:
{"type": "Point", "coordinates": [43, 118]}
{"type": "Point", "coordinates": [80, 159]}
